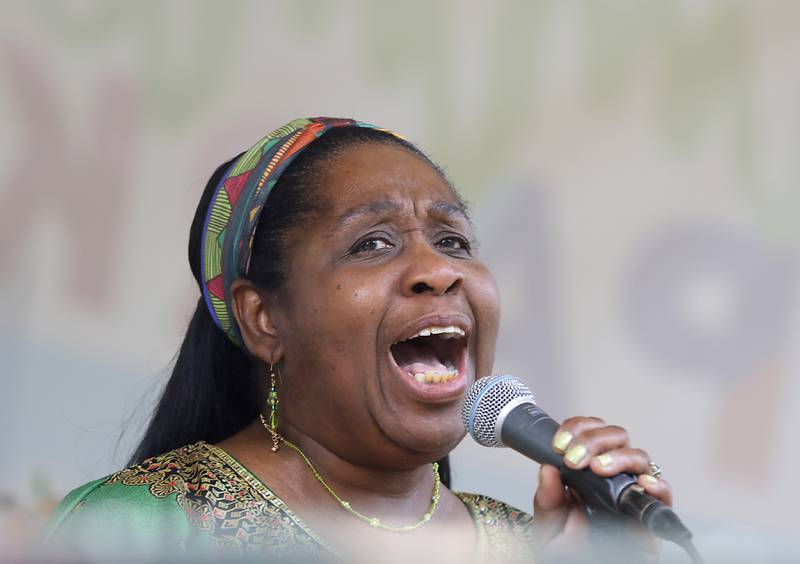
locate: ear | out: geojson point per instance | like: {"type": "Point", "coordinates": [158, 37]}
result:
{"type": "Point", "coordinates": [256, 324]}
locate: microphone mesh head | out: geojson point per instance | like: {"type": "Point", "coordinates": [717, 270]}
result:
{"type": "Point", "coordinates": [483, 403]}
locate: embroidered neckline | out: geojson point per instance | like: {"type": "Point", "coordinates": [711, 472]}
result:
{"type": "Point", "coordinates": [476, 505]}
{"type": "Point", "coordinates": [223, 498]}
{"type": "Point", "coordinates": [263, 490]}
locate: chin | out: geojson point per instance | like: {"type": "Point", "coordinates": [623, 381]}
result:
{"type": "Point", "coordinates": [430, 438]}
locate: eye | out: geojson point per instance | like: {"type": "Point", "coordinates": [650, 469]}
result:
{"type": "Point", "coordinates": [371, 245]}
{"type": "Point", "coordinates": [455, 243]}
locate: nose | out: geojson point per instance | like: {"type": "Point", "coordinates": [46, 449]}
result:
{"type": "Point", "coordinates": [431, 272]}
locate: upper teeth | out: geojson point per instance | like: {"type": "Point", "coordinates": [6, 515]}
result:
{"type": "Point", "coordinates": [449, 332]}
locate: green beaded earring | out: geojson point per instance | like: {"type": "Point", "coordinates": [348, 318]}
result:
{"type": "Point", "coordinates": [272, 405]}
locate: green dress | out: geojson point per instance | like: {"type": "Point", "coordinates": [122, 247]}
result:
{"type": "Point", "coordinates": [198, 498]}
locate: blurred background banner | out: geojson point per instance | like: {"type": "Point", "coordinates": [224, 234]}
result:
{"type": "Point", "coordinates": [633, 169]}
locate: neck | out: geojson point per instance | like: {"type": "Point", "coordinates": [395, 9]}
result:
{"type": "Point", "coordinates": [396, 496]}
{"type": "Point", "coordinates": [353, 478]}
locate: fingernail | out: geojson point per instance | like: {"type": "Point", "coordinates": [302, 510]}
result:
{"type": "Point", "coordinates": [561, 440]}
{"type": "Point", "coordinates": [575, 454]}
{"type": "Point", "coordinates": [604, 459]}
{"type": "Point", "coordinates": [540, 474]}
{"type": "Point", "coordinates": [652, 480]}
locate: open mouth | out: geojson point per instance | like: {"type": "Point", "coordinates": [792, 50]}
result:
{"type": "Point", "coordinates": [434, 355]}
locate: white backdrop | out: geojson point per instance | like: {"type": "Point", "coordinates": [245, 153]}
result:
{"type": "Point", "coordinates": [632, 167]}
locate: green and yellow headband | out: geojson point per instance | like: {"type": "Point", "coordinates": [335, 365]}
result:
{"type": "Point", "coordinates": [233, 213]}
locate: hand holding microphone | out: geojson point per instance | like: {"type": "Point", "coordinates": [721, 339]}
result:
{"type": "Point", "coordinates": [598, 463]}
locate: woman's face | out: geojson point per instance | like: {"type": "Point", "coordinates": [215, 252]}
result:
{"type": "Point", "coordinates": [387, 316]}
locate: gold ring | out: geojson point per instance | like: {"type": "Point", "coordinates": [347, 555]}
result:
{"type": "Point", "coordinates": [655, 470]}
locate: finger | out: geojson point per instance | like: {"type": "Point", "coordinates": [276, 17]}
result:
{"type": "Point", "coordinates": [592, 442]}
{"type": "Point", "coordinates": [573, 427]}
{"type": "Point", "coordinates": [658, 488]}
{"type": "Point", "coordinates": [612, 462]}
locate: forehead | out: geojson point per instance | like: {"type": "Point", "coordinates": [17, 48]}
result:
{"type": "Point", "coordinates": [370, 173]}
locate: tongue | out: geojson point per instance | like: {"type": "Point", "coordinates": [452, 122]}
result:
{"type": "Point", "coordinates": [417, 358]}
{"type": "Point", "coordinates": [417, 367]}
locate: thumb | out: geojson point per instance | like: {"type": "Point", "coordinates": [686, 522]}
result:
{"type": "Point", "coordinates": [550, 495]}
{"type": "Point", "coordinates": [550, 506]}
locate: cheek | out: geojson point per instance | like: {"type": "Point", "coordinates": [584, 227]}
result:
{"type": "Point", "coordinates": [485, 299]}
{"type": "Point", "coordinates": [335, 318]}
{"type": "Point", "coordinates": [360, 299]}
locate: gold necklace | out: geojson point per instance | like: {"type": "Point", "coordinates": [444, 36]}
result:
{"type": "Point", "coordinates": [372, 521]}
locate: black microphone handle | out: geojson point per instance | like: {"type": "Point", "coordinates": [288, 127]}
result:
{"type": "Point", "coordinates": [529, 430]}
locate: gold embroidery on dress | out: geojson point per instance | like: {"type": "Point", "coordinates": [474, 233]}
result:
{"type": "Point", "coordinates": [239, 513]}
{"type": "Point", "coordinates": [221, 498]}
{"type": "Point", "coordinates": [503, 531]}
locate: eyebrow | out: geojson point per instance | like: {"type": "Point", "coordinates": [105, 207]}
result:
{"type": "Point", "coordinates": [365, 210]}
{"type": "Point", "coordinates": [385, 207]}
{"type": "Point", "coordinates": [446, 209]}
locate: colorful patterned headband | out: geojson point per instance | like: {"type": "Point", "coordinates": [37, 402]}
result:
{"type": "Point", "coordinates": [234, 210]}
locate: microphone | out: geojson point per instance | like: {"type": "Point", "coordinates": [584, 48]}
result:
{"type": "Point", "coordinates": [500, 411]}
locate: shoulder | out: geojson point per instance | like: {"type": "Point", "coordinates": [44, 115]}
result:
{"type": "Point", "coordinates": [490, 511]}
{"type": "Point", "coordinates": [197, 497]}
{"type": "Point", "coordinates": [503, 530]}
{"type": "Point", "coordinates": [138, 502]}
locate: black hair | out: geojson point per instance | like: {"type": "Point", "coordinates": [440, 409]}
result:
{"type": "Point", "coordinates": [213, 392]}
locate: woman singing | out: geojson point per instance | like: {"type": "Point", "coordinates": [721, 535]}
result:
{"type": "Point", "coordinates": [316, 395]}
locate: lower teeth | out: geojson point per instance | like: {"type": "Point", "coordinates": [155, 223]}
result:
{"type": "Point", "coordinates": [434, 377]}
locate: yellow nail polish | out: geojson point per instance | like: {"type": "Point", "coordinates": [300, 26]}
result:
{"type": "Point", "coordinates": [605, 460]}
{"type": "Point", "coordinates": [652, 480]}
{"type": "Point", "coordinates": [561, 440]}
{"type": "Point", "coordinates": [575, 453]}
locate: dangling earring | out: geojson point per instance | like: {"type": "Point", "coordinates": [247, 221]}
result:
{"type": "Point", "coordinates": [272, 405]}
